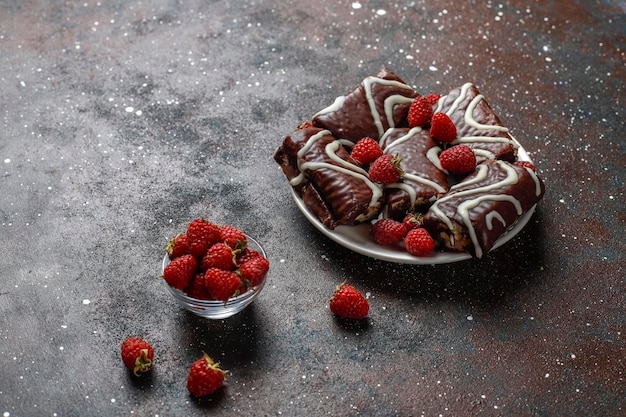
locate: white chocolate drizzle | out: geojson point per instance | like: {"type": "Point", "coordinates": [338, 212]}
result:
{"type": "Point", "coordinates": [494, 215]}
{"type": "Point", "coordinates": [336, 106]}
{"type": "Point", "coordinates": [535, 178]}
{"type": "Point", "coordinates": [393, 99]}
{"type": "Point", "coordinates": [407, 188]}
{"type": "Point", "coordinates": [388, 103]}
{"type": "Point", "coordinates": [344, 167]}
{"type": "Point", "coordinates": [432, 154]}
{"type": "Point", "coordinates": [425, 181]}
{"type": "Point", "coordinates": [465, 207]}
{"type": "Point", "coordinates": [400, 140]}
{"type": "Point", "coordinates": [468, 118]}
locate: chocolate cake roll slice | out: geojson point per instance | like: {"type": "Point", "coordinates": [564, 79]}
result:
{"type": "Point", "coordinates": [477, 125]}
{"type": "Point", "coordinates": [486, 204]}
{"type": "Point", "coordinates": [375, 105]}
{"type": "Point", "coordinates": [332, 185]}
{"type": "Point", "coordinates": [424, 180]}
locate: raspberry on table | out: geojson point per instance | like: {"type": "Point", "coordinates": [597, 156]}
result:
{"type": "Point", "coordinates": [137, 355]}
{"type": "Point", "coordinates": [205, 377]}
{"type": "Point", "coordinates": [349, 303]}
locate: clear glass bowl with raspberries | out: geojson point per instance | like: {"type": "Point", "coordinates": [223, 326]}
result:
{"type": "Point", "coordinates": [218, 279]}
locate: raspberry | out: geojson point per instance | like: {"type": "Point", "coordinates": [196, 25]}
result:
{"type": "Point", "coordinates": [254, 270]}
{"type": "Point", "coordinates": [205, 377]}
{"type": "Point", "coordinates": [420, 112]}
{"type": "Point", "coordinates": [526, 164]}
{"type": "Point", "coordinates": [233, 237]}
{"type": "Point", "coordinates": [433, 98]}
{"type": "Point", "coordinates": [180, 271]}
{"type": "Point", "coordinates": [442, 128]}
{"type": "Point", "coordinates": [245, 255]}
{"type": "Point", "coordinates": [418, 242]}
{"type": "Point", "coordinates": [177, 246]}
{"type": "Point", "coordinates": [219, 256]}
{"type": "Point", "coordinates": [349, 303]}
{"type": "Point", "coordinates": [458, 159]}
{"type": "Point", "coordinates": [137, 355]}
{"type": "Point", "coordinates": [413, 220]}
{"type": "Point", "coordinates": [386, 169]}
{"type": "Point", "coordinates": [388, 231]}
{"type": "Point", "coordinates": [201, 235]}
{"type": "Point", "coordinates": [197, 289]}
{"type": "Point", "coordinates": [366, 151]}
{"type": "Point", "coordinates": [221, 284]}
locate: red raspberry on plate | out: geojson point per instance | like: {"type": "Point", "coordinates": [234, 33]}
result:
{"type": "Point", "coordinates": [349, 303]}
{"type": "Point", "coordinates": [442, 128]}
{"type": "Point", "coordinates": [388, 231]}
{"type": "Point", "coordinates": [180, 271]}
{"type": "Point", "coordinates": [433, 98]}
{"type": "Point", "coordinates": [420, 112]}
{"type": "Point", "coordinates": [201, 235]}
{"type": "Point", "coordinates": [205, 377]}
{"type": "Point", "coordinates": [254, 270]}
{"type": "Point", "coordinates": [366, 151]}
{"type": "Point", "coordinates": [386, 169]}
{"type": "Point", "coordinates": [221, 284]}
{"type": "Point", "coordinates": [458, 159]}
{"type": "Point", "coordinates": [233, 236]}
{"type": "Point", "coordinates": [177, 246]}
{"type": "Point", "coordinates": [413, 220]}
{"type": "Point", "coordinates": [137, 355]}
{"type": "Point", "coordinates": [418, 242]}
{"type": "Point", "coordinates": [526, 164]}
{"type": "Point", "coordinates": [219, 256]}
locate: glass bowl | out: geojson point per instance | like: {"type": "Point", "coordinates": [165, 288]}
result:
{"type": "Point", "coordinates": [213, 309]}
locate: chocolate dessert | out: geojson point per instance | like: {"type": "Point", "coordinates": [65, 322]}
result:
{"type": "Point", "coordinates": [477, 125]}
{"type": "Point", "coordinates": [378, 103]}
{"type": "Point", "coordinates": [462, 212]}
{"type": "Point", "coordinates": [474, 214]}
{"type": "Point", "coordinates": [423, 181]}
{"type": "Point", "coordinates": [330, 182]}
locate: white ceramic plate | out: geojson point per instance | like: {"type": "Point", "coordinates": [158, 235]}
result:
{"type": "Point", "coordinates": [357, 238]}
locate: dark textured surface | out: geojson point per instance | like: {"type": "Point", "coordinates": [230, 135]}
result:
{"type": "Point", "coordinates": [121, 121]}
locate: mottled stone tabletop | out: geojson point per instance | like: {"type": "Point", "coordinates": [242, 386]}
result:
{"type": "Point", "coordinates": [123, 120]}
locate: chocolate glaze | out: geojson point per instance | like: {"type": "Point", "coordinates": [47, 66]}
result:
{"type": "Point", "coordinates": [412, 146]}
{"type": "Point", "coordinates": [334, 196]}
{"type": "Point", "coordinates": [355, 119]}
{"type": "Point", "coordinates": [519, 184]}
{"type": "Point", "coordinates": [483, 114]}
